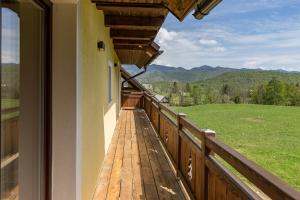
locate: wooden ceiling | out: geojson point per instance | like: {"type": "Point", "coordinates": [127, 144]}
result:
{"type": "Point", "coordinates": [134, 25]}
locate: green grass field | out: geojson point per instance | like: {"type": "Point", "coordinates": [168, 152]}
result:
{"type": "Point", "coordinates": [9, 103]}
{"type": "Point", "coordinates": [268, 135]}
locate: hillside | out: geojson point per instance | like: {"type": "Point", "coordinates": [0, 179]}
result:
{"type": "Point", "coordinates": [164, 73]}
{"type": "Point", "coordinates": [212, 75]}
{"type": "Point", "coordinates": [249, 78]}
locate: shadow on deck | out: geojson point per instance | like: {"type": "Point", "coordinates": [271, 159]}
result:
{"type": "Point", "coordinates": [136, 166]}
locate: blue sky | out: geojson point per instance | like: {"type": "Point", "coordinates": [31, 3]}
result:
{"type": "Point", "coordinates": [237, 33]}
{"type": "Point", "coordinates": [10, 41]}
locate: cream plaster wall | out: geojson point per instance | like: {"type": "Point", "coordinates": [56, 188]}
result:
{"type": "Point", "coordinates": [97, 117]}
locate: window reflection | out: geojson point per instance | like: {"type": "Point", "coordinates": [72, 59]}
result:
{"type": "Point", "coordinates": [10, 94]}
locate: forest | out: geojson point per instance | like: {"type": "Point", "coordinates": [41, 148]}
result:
{"type": "Point", "coordinates": [273, 92]}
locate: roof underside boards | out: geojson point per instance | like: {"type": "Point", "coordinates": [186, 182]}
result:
{"type": "Point", "coordinates": [135, 23]}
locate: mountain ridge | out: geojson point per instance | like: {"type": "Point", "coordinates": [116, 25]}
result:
{"type": "Point", "coordinates": [167, 73]}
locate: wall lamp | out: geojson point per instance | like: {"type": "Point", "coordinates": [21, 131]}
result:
{"type": "Point", "coordinates": [116, 64]}
{"type": "Point", "coordinates": [101, 46]}
{"type": "Point", "coordinates": [204, 7]}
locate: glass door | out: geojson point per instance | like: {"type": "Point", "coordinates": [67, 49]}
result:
{"type": "Point", "coordinates": [23, 99]}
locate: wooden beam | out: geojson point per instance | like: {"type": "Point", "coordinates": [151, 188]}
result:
{"type": "Point", "coordinates": [129, 47]}
{"type": "Point", "coordinates": [148, 49]}
{"type": "Point", "coordinates": [131, 42]}
{"type": "Point", "coordinates": [135, 34]}
{"type": "Point", "coordinates": [129, 22]}
{"type": "Point", "coordinates": [101, 3]}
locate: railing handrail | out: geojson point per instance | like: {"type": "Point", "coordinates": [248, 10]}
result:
{"type": "Point", "coordinates": [261, 178]}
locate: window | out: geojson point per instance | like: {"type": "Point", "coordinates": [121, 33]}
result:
{"type": "Point", "coordinates": [23, 99]}
{"type": "Point", "coordinates": [109, 82]}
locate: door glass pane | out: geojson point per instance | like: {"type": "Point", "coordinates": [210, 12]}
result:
{"type": "Point", "coordinates": [22, 97]}
{"type": "Point", "coordinates": [10, 102]}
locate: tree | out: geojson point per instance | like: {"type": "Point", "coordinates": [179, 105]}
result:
{"type": "Point", "coordinates": [188, 87]}
{"type": "Point", "coordinates": [258, 95]}
{"type": "Point", "coordinates": [196, 94]}
{"type": "Point", "coordinates": [175, 88]}
{"type": "Point", "coordinates": [225, 89]}
{"type": "Point", "coordinates": [291, 95]}
{"type": "Point", "coordinates": [237, 100]}
{"type": "Point", "coordinates": [274, 92]}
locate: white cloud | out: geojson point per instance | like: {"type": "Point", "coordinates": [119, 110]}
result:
{"type": "Point", "coordinates": [276, 44]}
{"type": "Point", "coordinates": [208, 42]}
{"type": "Point", "coordinates": [165, 36]}
{"type": "Point", "coordinates": [219, 49]}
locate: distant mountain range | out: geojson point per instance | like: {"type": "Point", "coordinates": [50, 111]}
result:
{"type": "Point", "coordinates": [205, 73]}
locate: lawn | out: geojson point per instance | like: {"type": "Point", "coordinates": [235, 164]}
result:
{"type": "Point", "coordinates": [268, 135]}
{"type": "Point", "coordinates": [9, 103]}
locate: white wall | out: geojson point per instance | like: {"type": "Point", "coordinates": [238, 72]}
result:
{"type": "Point", "coordinates": [65, 163]}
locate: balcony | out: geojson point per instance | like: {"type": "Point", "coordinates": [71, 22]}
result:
{"type": "Point", "coordinates": [136, 166]}
{"type": "Point", "coordinates": [158, 154]}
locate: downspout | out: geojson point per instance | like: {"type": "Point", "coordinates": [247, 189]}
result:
{"type": "Point", "coordinates": [138, 74]}
{"type": "Point", "coordinates": [145, 68]}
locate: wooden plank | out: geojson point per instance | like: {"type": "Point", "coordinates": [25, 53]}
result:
{"type": "Point", "coordinates": [135, 166]}
{"type": "Point", "coordinates": [198, 176]}
{"type": "Point", "coordinates": [147, 174]}
{"type": "Point", "coordinates": [134, 22]}
{"type": "Point", "coordinates": [264, 180]}
{"type": "Point", "coordinates": [104, 179]}
{"type": "Point", "coordinates": [131, 42]}
{"type": "Point", "coordinates": [138, 189]}
{"type": "Point", "coordinates": [129, 47]}
{"type": "Point", "coordinates": [158, 178]}
{"type": "Point", "coordinates": [221, 189]}
{"type": "Point", "coordinates": [136, 34]}
{"type": "Point", "coordinates": [115, 181]}
{"type": "Point", "coordinates": [126, 172]}
{"type": "Point", "coordinates": [180, 8]}
{"type": "Point", "coordinates": [9, 159]}
{"type": "Point", "coordinates": [128, 4]}
{"type": "Point", "coordinates": [211, 186]}
{"type": "Point", "coordinates": [164, 186]}
{"type": "Point", "coordinates": [233, 182]}
{"type": "Point", "coordinates": [165, 167]}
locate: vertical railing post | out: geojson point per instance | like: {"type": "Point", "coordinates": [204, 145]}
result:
{"type": "Point", "coordinates": [151, 105]}
{"type": "Point", "coordinates": [143, 100]}
{"type": "Point", "coordinates": [205, 153]}
{"type": "Point", "coordinates": [178, 147]}
{"type": "Point", "coordinates": [158, 123]}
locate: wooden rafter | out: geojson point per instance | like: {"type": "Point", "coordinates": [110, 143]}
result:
{"type": "Point", "coordinates": [134, 22]}
{"type": "Point", "coordinates": [134, 34]}
{"type": "Point", "coordinates": [131, 42]}
{"type": "Point", "coordinates": [180, 8]}
{"type": "Point", "coordinates": [104, 4]}
{"type": "Point", "coordinates": [129, 47]}
{"type": "Point", "coordinates": [151, 48]}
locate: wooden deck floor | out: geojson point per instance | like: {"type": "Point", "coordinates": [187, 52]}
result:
{"type": "Point", "coordinates": [135, 166]}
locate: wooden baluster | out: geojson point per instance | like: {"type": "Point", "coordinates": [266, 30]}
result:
{"type": "Point", "coordinates": [205, 153]}
{"type": "Point", "coordinates": [158, 123]}
{"type": "Point", "coordinates": [150, 109]}
{"type": "Point", "coordinates": [178, 148]}
{"type": "Point", "coordinates": [143, 101]}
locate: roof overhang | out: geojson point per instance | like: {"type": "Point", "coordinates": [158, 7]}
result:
{"type": "Point", "coordinates": [204, 7]}
{"type": "Point", "coordinates": [135, 24]}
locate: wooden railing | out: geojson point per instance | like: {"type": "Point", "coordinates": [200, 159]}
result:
{"type": "Point", "coordinates": [131, 99]}
{"type": "Point", "coordinates": [9, 149]}
{"type": "Point", "coordinates": [197, 156]}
